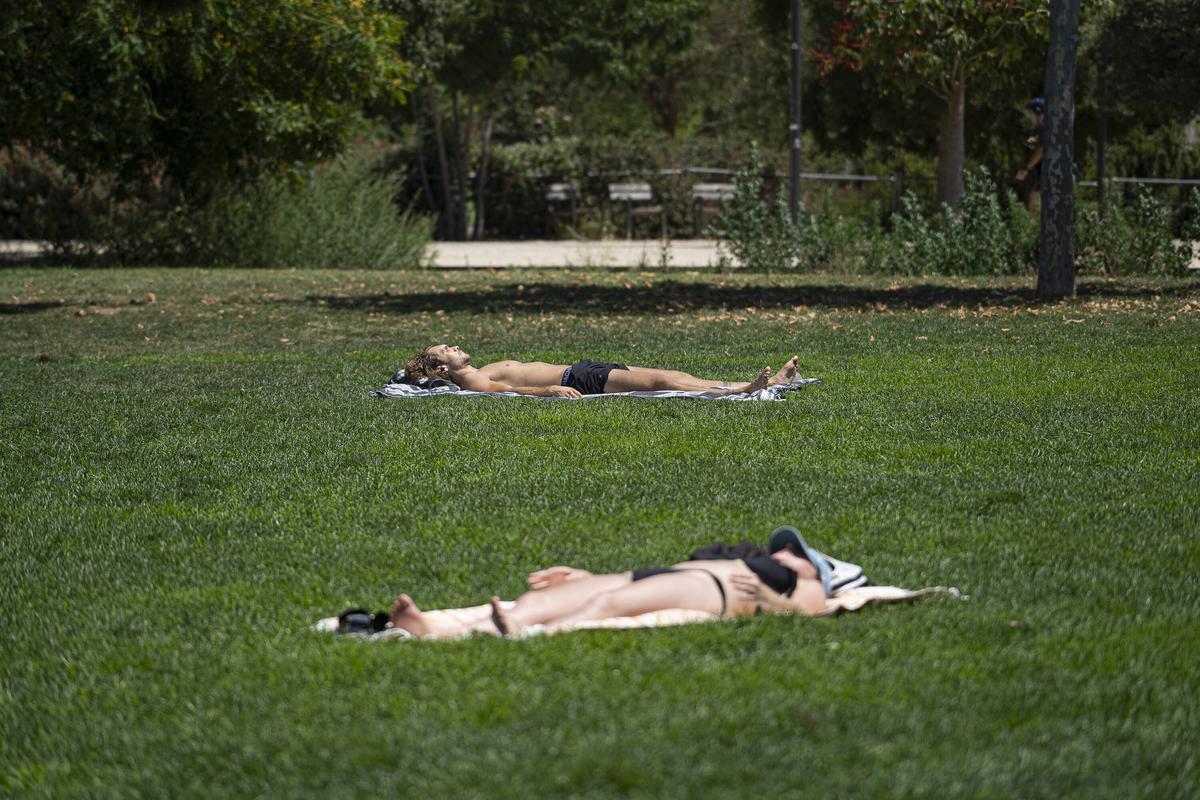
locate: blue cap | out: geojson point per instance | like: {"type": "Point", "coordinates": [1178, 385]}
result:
{"type": "Point", "coordinates": [1037, 105]}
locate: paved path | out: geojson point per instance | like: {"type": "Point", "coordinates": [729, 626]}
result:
{"type": "Point", "coordinates": [638, 253]}
{"type": "Point", "coordinates": [651, 253]}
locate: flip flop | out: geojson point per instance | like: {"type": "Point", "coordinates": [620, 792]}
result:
{"type": "Point", "coordinates": [359, 620]}
{"type": "Point", "coordinates": [786, 536]}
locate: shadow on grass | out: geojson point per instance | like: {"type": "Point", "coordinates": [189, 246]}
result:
{"type": "Point", "coordinates": [671, 296]}
{"type": "Point", "coordinates": [28, 308]}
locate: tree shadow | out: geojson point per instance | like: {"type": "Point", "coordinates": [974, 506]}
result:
{"type": "Point", "coordinates": [672, 296]}
{"type": "Point", "coordinates": [28, 308]}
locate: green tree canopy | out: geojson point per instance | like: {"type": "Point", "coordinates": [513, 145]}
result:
{"type": "Point", "coordinates": [938, 48]}
{"type": "Point", "coordinates": [196, 90]}
{"type": "Point", "coordinates": [480, 63]}
{"type": "Point", "coordinates": [1150, 53]}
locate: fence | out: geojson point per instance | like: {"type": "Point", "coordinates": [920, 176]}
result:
{"type": "Point", "coordinates": [678, 207]}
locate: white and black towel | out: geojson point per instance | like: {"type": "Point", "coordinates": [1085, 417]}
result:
{"type": "Point", "coordinates": [400, 386]}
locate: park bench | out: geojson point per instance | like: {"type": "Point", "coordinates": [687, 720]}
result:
{"type": "Point", "coordinates": [702, 193]}
{"type": "Point", "coordinates": [631, 193]}
{"type": "Point", "coordinates": [559, 193]}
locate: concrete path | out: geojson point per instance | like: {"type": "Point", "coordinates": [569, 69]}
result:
{"type": "Point", "coordinates": [650, 253]}
{"type": "Point", "coordinates": [687, 253]}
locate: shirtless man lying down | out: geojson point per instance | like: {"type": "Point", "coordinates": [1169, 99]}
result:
{"type": "Point", "coordinates": [584, 377]}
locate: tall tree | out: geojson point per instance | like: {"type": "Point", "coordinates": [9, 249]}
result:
{"type": "Point", "coordinates": [1151, 57]}
{"type": "Point", "coordinates": [1056, 268]}
{"type": "Point", "coordinates": [195, 90]}
{"type": "Point", "coordinates": [938, 48]}
{"type": "Point", "coordinates": [476, 59]}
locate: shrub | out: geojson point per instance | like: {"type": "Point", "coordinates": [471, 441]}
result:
{"type": "Point", "coordinates": [760, 234]}
{"type": "Point", "coordinates": [343, 215]}
{"type": "Point", "coordinates": [984, 238]}
{"type": "Point", "coordinates": [1137, 240]}
{"type": "Point", "coordinates": [42, 200]}
{"type": "Point", "coordinates": [1191, 224]}
{"type": "Point", "coordinates": [519, 173]}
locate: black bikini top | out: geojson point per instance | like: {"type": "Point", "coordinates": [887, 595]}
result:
{"type": "Point", "coordinates": [773, 574]}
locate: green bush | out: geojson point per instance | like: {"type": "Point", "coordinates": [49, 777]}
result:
{"type": "Point", "coordinates": [40, 199]}
{"type": "Point", "coordinates": [519, 173]}
{"type": "Point", "coordinates": [1137, 240]}
{"type": "Point", "coordinates": [985, 238]}
{"type": "Point", "coordinates": [759, 233]}
{"type": "Point", "coordinates": [852, 245]}
{"type": "Point", "coordinates": [1191, 224]}
{"type": "Point", "coordinates": [343, 215]}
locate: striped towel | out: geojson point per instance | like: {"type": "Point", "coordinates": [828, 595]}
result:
{"type": "Point", "coordinates": [852, 591]}
{"type": "Point", "coordinates": [844, 601]}
{"type": "Point", "coordinates": [401, 387]}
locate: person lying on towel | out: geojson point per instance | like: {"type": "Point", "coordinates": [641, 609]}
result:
{"type": "Point", "coordinates": [584, 377]}
{"type": "Point", "coordinates": [789, 578]}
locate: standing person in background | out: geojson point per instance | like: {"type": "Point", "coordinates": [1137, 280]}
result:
{"type": "Point", "coordinates": [1033, 166]}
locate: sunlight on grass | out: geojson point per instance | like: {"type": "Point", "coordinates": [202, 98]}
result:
{"type": "Point", "coordinates": [187, 482]}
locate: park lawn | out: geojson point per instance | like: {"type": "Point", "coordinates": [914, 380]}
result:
{"type": "Point", "coordinates": [192, 472]}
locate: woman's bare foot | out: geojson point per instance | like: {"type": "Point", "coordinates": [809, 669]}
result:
{"type": "Point", "coordinates": [503, 623]}
{"type": "Point", "coordinates": [758, 383]}
{"type": "Point", "coordinates": [406, 615]}
{"type": "Point", "coordinates": [786, 373]}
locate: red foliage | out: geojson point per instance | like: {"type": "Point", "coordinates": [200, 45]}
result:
{"type": "Point", "coordinates": [840, 47]}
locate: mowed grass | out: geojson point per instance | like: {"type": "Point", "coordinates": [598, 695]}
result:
{"type": "Point", "coordinates": [192, 472]}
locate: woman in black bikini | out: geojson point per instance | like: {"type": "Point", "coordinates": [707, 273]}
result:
{"type": "Point", "coordinates": [791, 579]}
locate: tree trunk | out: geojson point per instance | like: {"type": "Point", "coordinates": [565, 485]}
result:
{"type": "Point", "coordinates": [481, 180]}
{"type": "Point", "coordinates": [462, 165]}
{"type": "Point", "coordinates": [422, 169]}
{"type": "Point", "coordinates": [663, 94]}
{"type": "Point", "coordinates": [951, 149]}
{"type": "Point", "coordinates": [1101, 143]}
{"type": "Point", "coordinates": [1056, 269]}
{"type": "Point", "coordinates": [446, 219]}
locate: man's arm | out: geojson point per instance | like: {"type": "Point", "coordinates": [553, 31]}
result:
{"type": "Point", "coordinates": [478, 383]}
{"type": "Point", "coordinates": [1035, 158]}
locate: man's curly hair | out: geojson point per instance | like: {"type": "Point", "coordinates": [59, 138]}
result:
{"type": "Point", "coordinates": [423, 365]}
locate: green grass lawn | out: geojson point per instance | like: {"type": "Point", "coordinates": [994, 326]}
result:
{"type": "Point", "coordinates": [192, 472]}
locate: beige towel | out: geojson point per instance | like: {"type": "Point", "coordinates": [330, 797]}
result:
{"type": "Point", "coordinates": [844, 601]}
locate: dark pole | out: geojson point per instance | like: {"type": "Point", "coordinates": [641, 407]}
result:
{"type": "Point", "coordinates": [1056, 270]}
{"type": "Point", "coordinates": [1101, 146]}
{"type": "Point", "coordinates": [794, 123]}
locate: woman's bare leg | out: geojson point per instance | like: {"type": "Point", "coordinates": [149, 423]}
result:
{"type": "Point", "coordinates": [531, 608]}
{"type": "Point", "coordinates": [694, 590]}
{"type": "Point", "coordinates": [542, 605]}
{"type": "Point", "coordinates": [645, 379]}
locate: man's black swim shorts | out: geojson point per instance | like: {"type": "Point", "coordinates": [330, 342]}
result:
{"type": "Point", "coordinates": [589, 377]}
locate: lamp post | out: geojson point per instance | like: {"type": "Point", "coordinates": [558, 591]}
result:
{"type": "Point", "coordinates": [794, 119]}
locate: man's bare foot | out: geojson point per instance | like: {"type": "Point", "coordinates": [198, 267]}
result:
{"type": "Point", "coordinates": [786, 373]}
{"type": "Point", "coordinates": [758, 383]}
{"type": "Point", "coordinates": [406, 615]}
{"type": "Point", "coordinates": [506, 625]}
